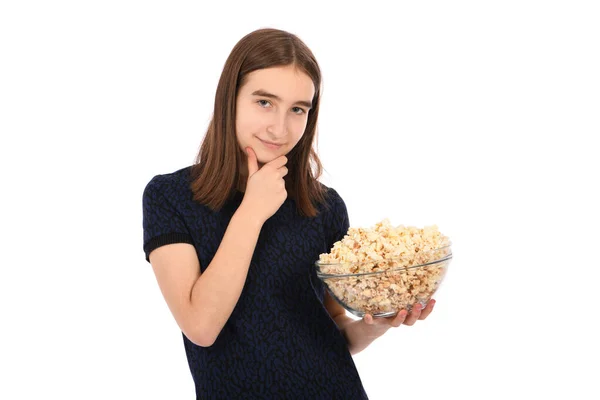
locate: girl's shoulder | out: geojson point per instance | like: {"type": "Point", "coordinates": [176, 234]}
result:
{"type": "Point", "coordinates": [171, 187]}
{"type": "Point", "coordinates": [170, 180]}
{"type": "Point", "coordinates": [333, 200]}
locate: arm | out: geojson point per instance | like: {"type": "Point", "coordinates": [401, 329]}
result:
{"type": "Point", "coordinates": [202, 303]}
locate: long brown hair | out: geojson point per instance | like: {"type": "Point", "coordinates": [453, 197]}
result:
{"type": "Point", "coordinates": [215, 174]}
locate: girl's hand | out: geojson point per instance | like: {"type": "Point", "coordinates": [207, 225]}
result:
{"type": "Point", "coordinates": [361, 333]}
{"type": "Point", "coordinates": [403, 317]}
{"type": "Point", "coordinates": [265, 188]}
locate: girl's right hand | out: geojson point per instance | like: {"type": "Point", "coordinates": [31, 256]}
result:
{"type": "Point", "coordinates": [265, 188]}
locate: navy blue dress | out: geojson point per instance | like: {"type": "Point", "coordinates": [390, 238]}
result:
{"type": "Point", "coordinates": [279, 342]}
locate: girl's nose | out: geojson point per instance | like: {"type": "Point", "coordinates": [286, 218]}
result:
{"type": "Point", "coordinates": [277, 127]}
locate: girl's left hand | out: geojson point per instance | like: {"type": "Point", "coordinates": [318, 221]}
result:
{"type": "Point", "coordinates": [403, 317]}
{"type": "Point", "coordinates": [361, 333]}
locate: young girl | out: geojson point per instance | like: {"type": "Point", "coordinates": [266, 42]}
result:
{"type": "Point", "coordinates": [233, 239]}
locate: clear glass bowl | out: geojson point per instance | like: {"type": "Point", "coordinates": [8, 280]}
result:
{"type": "Point", "coordinates": [384, 287]}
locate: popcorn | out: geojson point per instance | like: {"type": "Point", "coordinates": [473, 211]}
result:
{"type": "Point", "coordinates": [386, 255]}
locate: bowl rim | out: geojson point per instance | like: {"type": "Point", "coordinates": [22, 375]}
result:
{"type": "Point", "coordinates": [439, 260]}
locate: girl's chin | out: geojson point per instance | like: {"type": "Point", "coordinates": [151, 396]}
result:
{"type": "Point", "coordinates": [266, 157]}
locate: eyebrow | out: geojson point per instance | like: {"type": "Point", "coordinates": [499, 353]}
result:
{"type": "Point", "coordinates": [263, 93]}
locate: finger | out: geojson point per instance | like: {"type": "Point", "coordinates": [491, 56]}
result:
{"type": "Point", "coordinates": [414, 315]}
{"type": "Point", "coordinates": [425, 313]}
{"type": "Point", "coordinates": [283, 171]}
{"type": "Point", "coordinates": [252, 161]}
{"type": "Point", "coordinates": [399, 319]}
{"type": "Point", "coordinates": [370, 320]}
{"type": "Point", "coordinates": [278, 162]}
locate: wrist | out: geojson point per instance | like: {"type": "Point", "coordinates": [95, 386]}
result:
{"type": "Point", "coordinates": [358, 334]}
{"type": "Point", "coordinates": [245, 213]}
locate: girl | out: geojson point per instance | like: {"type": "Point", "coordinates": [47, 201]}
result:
{"type": "Point", "coordinates": [233, 239]}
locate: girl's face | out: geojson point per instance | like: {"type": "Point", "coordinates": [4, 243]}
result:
{"type": "Point", "coordinates": [272, 111]}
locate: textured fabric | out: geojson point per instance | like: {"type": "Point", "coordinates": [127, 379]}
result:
{"type": "Point", "coordinates": [279, 342]}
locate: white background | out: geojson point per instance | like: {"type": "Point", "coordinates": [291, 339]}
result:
{"type": "Point", "coordinates": [477, 116]}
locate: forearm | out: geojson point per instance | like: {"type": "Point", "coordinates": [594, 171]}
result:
{"type": "Point", "coordinates": [358, 334]}
{"type": "Point", "coordinates": [217, 290]}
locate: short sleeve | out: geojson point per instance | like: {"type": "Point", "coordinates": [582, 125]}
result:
{"type": "Point", "coordinates": [340, 222]}
{"type": "Point", "coordinates": [162, 222]}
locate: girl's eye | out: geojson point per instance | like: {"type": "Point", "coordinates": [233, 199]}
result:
{"type": "Point", "coordinates": [298, 110]}
{"type": "Point", "coordinates": [295, 110]}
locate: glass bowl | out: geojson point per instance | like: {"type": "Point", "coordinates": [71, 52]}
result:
{"type": "Point", "coordinates": [384, 287]}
